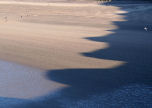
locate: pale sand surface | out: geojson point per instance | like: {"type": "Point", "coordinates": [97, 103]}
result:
{"type": "Point", "coordinates": [46, 4]}
{"type": "Point", "coordinates": [55, 1]}
{"type": "Point", "coordinates": [48, 38]}
{"type": "Point", "coordinates": [37, 40]}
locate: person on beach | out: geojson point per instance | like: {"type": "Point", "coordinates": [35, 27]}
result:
{"type": "Point", "coordinates": [5, 18]}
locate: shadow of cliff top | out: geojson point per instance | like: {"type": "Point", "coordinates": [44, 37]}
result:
{"type": "Point", "coordinates": [118, 2]}
{"type": "Point", "coordinates": [129, 43]}
{"type": "Point", "coordinates": [102, 80]}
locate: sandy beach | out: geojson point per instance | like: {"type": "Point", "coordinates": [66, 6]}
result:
{"type": "Point", "coordinates": [47, 37]}
{"type": "Point", "coordinates": [71, 53]}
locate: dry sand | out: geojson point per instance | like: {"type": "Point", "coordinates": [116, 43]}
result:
{"type": "Point", "coordinates": [47, 38]}
{"type": "Point", "coordinates": [53, 37]}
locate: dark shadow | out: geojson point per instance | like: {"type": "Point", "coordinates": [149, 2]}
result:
{"type": "Point", "coordinates": [129, 43]}
{"type": "Point", "coordinates": [127, 86]}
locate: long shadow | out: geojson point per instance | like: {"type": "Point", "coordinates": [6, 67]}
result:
{"type": "Point", "coordinates": [129, 43]}
{"type": "Point", "coordinates": [127, 86]}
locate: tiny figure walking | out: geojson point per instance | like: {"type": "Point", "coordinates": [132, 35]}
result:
{"type": "Point", "coordinates": [5, 19]}
{"type": "Point", "coordinates": [21, 17]}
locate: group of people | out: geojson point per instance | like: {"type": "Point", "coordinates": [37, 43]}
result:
{"type": "Point", "coordinates": [6, 18]}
